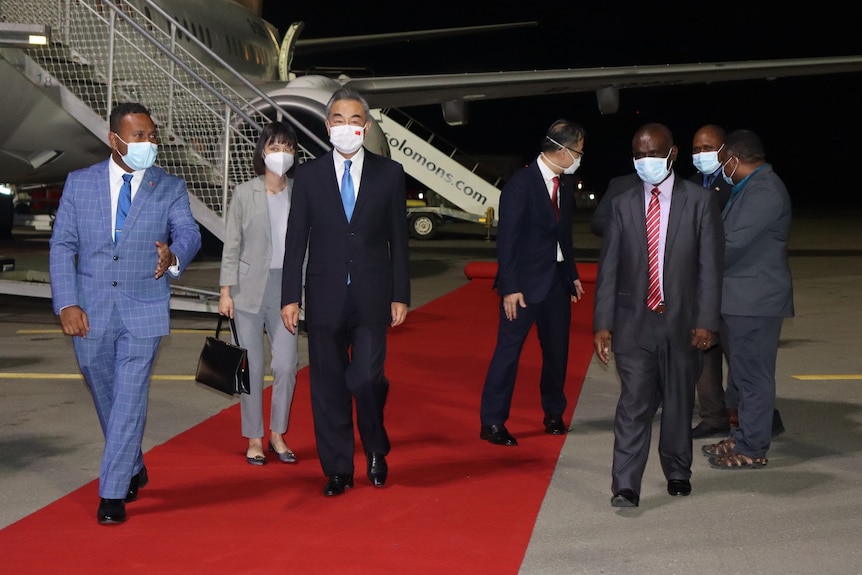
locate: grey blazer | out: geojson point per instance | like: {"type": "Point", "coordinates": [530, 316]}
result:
{"type": "Point", "coordinates": [693, 257]}
{"type": "Point", "coordinates": [757, 278]}
{"type": "Point", "coordinates": [247, 252]}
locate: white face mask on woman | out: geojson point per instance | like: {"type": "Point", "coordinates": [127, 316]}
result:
{"type": "Point", "coordinates": [278, 162]}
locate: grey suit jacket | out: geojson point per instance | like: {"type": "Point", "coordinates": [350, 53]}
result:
{"type": "Point", "coordinates": [247, 252]}
{"type": "Point", "coordinates": [692, 266]}
{"type": "Point", "coordinates": [757, 278]}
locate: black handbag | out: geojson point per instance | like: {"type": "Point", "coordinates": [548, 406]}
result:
{"type": "Point", "coordinates": [222, 365]}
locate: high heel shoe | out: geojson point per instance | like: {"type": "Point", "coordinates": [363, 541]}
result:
{"type": "Point", "coordinates": [285, 457]}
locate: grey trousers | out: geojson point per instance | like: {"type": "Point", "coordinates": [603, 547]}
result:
{"type": "Point", "coordinates": [285, 358]}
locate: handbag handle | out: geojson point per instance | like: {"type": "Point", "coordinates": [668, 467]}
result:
{"type": "Point", "coordinates": [232, 328]}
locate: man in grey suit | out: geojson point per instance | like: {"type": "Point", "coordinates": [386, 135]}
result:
{"type": "Point", "coordinates": [658, 292]}
{"type": "Point", "coordinates": [121, 225]}
{"type": "Point", "coordinates": [757, 295]}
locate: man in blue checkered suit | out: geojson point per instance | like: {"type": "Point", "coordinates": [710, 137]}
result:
{"type": "Point", "coordinates": [109, 287]}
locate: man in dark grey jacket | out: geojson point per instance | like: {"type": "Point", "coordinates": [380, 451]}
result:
{"type": "Point", "coordinates": [757, 295]}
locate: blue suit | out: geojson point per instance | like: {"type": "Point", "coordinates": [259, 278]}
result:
{"type": "Point", "coordinates": [127, 308]}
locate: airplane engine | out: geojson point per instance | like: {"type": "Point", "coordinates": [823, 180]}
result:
{"type": "Point", "coordinates": [304, 99]}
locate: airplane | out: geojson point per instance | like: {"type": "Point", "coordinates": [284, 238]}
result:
{"type": "Point", "coordinates": [40, 142]}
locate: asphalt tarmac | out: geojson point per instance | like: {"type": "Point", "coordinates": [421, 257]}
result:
{"type": "Point", "coordinates": [801, 514]}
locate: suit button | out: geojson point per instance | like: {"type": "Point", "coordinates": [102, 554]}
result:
{"type": "Point", "coordinates": [114, 284]}
{"type": "Point", "coordinates": [116, 258]}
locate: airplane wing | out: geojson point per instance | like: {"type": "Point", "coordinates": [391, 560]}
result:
{"type": "Point", "coordinates": [394, 91]}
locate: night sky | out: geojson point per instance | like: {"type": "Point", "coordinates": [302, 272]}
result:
{"type": "Point", "coordinates": [808, 125]}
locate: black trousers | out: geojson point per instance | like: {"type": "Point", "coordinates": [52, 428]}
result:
{"type": "Point", "coordinates": [346, 366]}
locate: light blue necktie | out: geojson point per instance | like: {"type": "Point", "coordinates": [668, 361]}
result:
{"type": "Point", "coordinates": [348, 195]}
{"type": "Point", "coordinates": [123, 204]}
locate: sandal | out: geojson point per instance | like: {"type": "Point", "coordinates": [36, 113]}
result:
{"type": "Point", "coordinates": [737, 461]}
{"type": "Point", "coordinates": [723, 447]}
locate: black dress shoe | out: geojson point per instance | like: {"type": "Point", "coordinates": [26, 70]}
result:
{"type": "Point", "coordinates": [497, 434]}
{"type": "Point", "coordinates": [677, 487]}
{"type": "Point", "coordinates": [139, 479]}
{"type": "Point", "coordinates": [555, 426]}
{"type": "Point", "coordinates": [111, 511]}
{"type": "Point", "coordinates": [625, 498]}
{"type": "Point", "coordinates": [703, 429]}
{"type": "Point", "coordinates": [337, 484]}
{"type": "Point", "coordinates": [777, 424]}
{"type": "Point", "coordinates": [377, 469]}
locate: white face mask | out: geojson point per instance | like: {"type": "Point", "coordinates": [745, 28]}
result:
{"type": "Point", "coordinates": [576, 162]}
{"type": "Point", "coordinates": [347, 139]}
{"type": "Point", "coordinates": [572, 168]}
{"type": "Point", "coordinates": [278, 162]}
{"type": "Point", "coordinates": [653, 170]}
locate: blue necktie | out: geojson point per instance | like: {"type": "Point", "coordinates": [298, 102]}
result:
{"type": "Point", "coordinates": [123, 204]}
{"type": "Point", "coordinates": [348, 196]}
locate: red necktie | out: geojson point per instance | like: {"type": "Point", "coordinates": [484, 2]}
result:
{"type": "Point", "coordinates": [653, 224]}
{"type": "Point", "coordinates": [554, 199]}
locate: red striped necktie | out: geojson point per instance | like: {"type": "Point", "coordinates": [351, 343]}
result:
{"type": "Point", "coordinates": [653, 225]}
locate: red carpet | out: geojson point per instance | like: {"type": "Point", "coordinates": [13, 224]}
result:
{"type": "Point", "coordinates": [453, 504]}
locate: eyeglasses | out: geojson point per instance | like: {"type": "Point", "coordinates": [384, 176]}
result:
{"type": "Point", "coordinates": [578, 152]}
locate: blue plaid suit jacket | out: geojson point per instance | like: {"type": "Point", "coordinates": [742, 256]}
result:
{"type": "Point", "coordinates": [89, 270]}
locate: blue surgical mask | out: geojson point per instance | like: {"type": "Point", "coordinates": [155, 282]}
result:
{"type": "Point", "coordinates": [139, 155]}
{"type": "Point", "coordinates": [706, 162]}
{"type": "Point", "coordinates": [729, 179]}
{"type": "Point", "coordinates": [653, 170]}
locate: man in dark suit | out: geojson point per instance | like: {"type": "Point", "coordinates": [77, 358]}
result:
{"type": "Point", "coordinates": [121, 225]}
{"type": "Point", "coordinates": [715, 418]}
{"type": "Point", "coordinates": [757, 295]}
{"type": "Point", "coordinates": [658, 292]}
{"type": "Point", "coordinates": [537, 280]}
{"type": "Point", "coordinates": [348, 211]}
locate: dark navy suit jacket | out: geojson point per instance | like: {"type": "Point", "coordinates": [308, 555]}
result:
{"type": "Point", "coordinates": [528, 234]}
{"type": "Point", "coordinates": [372, 247]}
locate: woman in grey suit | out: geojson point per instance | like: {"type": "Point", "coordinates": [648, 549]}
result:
{"type": "Point", "coordinates": [250, 280]}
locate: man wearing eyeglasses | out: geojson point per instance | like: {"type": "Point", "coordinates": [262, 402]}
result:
{"type": "Point", "coordinates": [537, 280]}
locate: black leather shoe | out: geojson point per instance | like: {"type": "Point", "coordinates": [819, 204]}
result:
{"type": "Point", "coordinates": [111, 511]}
{"type": "Point", "coordinates": [377, 469]}
{"type": "Point", "coordinates": [625, 498]}
{"type": "Point", "coordinates": [677, 487]}
{"type": "Point", "coordinates": [555, 426]}
{"type": "Point", "coordinates": [497, 434]}
{"type": "Point", "coordinates": [703, 429]}
{"type": "Point", "coordinates": [139, 479]}
{"type": "Point", "coordinates": [337, 484]}
{"type": "Point", "coordinates": [777, 424]}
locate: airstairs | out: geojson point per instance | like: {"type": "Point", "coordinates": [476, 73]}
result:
{"type": "Point", "coordinates": [468, 194]}
{"type": "Point", "coordinates": [104, 52]}
{"type": "Point", "coordinates": [107, 51]}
